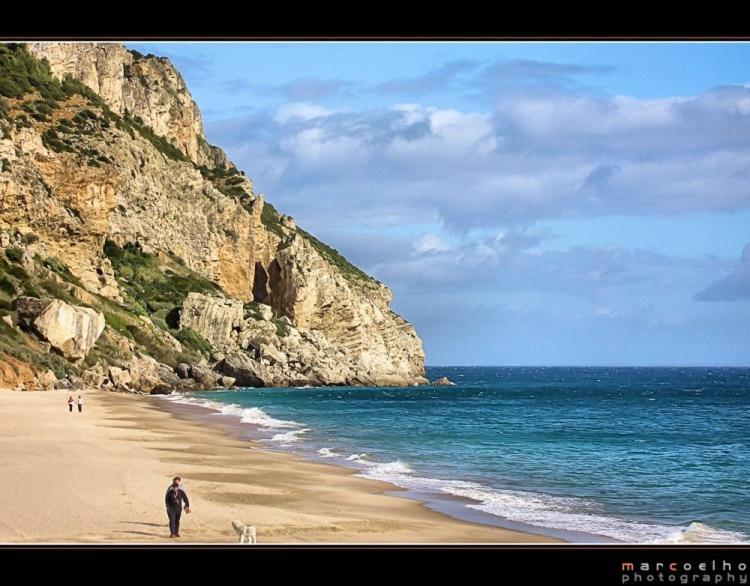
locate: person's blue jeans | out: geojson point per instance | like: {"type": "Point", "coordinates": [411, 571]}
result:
{"type": "Point", "coordinates": [174, 520]}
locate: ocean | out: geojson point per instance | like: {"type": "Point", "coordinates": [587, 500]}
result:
{"type": "Point", "coordinates": [626, 454]}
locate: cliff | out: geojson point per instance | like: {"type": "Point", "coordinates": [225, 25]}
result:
{"type": "Point", "coordinates": [113, 202]}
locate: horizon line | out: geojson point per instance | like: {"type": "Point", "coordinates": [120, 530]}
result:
{"type": "Point", "coordinates": [587, 365]}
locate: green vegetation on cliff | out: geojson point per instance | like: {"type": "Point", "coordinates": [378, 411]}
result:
{"type": "Point", "coordinates": [156, 286]}
{"type": "Point", "coordinates": [161, 144]}
{"type": "Point", "coordinates": [192, 339]}
{"type": "Point", "coordinates": [153, 282]}
{"type": "Point", "coordinates": [15, 281]}
{"type": "Point", "coordinates": [271, 219]}
{"type": "Point", "coordinates": [21, 73]}
{"type": "Point", "coordinates": [353, 273]}
{"type": "Point", "coordinates": [231, 182]}
{"type": "Point", "coordinates": [49, 278]}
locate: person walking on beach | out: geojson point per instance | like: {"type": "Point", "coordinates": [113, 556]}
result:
{"type": "Point", "coordinates": [173, 499]}
{"type": "Point", "coordinates": [80, 404]}
{"type": "Point", "coordinates": [70, 404]}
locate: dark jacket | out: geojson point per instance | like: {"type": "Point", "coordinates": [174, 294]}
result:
{"type": "Point", "coordinates": [175, 502]}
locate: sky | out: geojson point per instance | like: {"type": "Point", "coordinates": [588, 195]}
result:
{"type": "Point", "coordinates": [558, 203]}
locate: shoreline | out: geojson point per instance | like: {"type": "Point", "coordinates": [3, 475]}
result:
{"type": "Point", "coordinates": [100, 476]}
{"type": "Point", "coordinates": [454, 506]}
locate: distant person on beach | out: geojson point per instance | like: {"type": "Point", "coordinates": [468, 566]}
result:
{"type": "Point", "coordinates": [70, 403]}
{"type": "Point", "coordinates": [80, 403]}
{"type": "Point", "coordinates": [173, 499]}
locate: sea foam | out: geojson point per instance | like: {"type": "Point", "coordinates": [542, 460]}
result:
{"type": "Point", "coordinates": [546, 511]}
{"type": "Point", "coordinates": [251, 415]}
{"type": "Point", "coordinates": [289, 437]}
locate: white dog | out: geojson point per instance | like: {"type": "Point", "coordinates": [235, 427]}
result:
{"type": "Point", "coordinates": [246, 532]}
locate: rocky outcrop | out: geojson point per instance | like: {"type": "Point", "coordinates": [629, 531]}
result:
{"type": "Point", "coordinates": [352, 312]}
{"type": "Point", "coordinates": [132, 167]}
{"type": "Point", "coordinates": [263, 350]}
{"type": "Point", "coordinates": [28, 309]}
{"type": "Point", "coordinates": [145, 86]}
{"type": "Point", "coordinates": [143, 374]}
{"type": "Point", "coordinates": [205, 377]}
{"type": "Point", "coordinates": [16, 374]}
{"type": "Point", "coordinates": [217, 319]}
{"type": "Point", "coordinates": [147, 374]}
{"type": "Point", "coordinates": [120, 378]}
{"type": "Point", "coordinates": [141, 197]}
{"type": "Point", "coordinates": [443, 381]}
{"type": "Point", "coordinates": [46, 380]}
{"type": "Point", "coordinates": [162, 335]}
{"type": "Point", "coordinates": [71, 330]}
{"type": "Point", "coordinates": [243, 369]}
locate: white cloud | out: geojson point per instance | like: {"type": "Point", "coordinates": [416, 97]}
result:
{"type": "Point", "coordinates": [537, 154]}
{"type": "Point", "coordinates": [300, 111]}
{"type": "Point", "coordinates": [431, 243]}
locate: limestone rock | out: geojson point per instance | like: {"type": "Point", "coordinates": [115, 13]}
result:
{"type": "Point", "coordinates": [265, 311]}
{"type": "Point", "coordinates": [243, 369]}
{"type": "Point", "coordinates": [71, 382]}
{"type": "Point", "coordinates": [183, 370]}
{"type": "Point", "coordinates": [120, 378]}
{"type": "Point", "coordinates": [93, 377]}
{"type": "Point", "coordinates": [168, 377]}
{"type": "Point", "coordinates": [288, 222]}
{"type": "Point", "coordinates": [15, 373]}
{"type": "Point", "coordinates": [227, 382]}
{"type": "Point", "coordinates": [352, 312]}
{"type": "Point", "coordinates": [144, 372]}
{"type": "Point", "coordinates": [47, 380]}
{"type": "Point", "coordinates": [163, 336]}
{"type": "Point", "coordinates": [443, 381]}
{"type": "Point", "coordinates": [271, 353]}
{"type": "Point", "coordinates": [321, 320]}
{"type": "Point", "coordinates": [214, 318]}
{"type": "Point", "coordinates": [204, 377]}
{"type": "Point", "coordinates": [28, 309]}
{"type": "Point", "coordinates": [63, 384]}
{"type": "Point", "coordinates": [148, 87]}
{"type": "Point", "coordinates": [70, 329]}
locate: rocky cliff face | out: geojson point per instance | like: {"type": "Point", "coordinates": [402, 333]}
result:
{"type": "Point", "coordinates": [147, 87]}
{"type": "Point", "coordinates": [111, 198]}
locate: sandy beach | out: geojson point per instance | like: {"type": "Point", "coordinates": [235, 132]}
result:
{"type": "Point", "coordinates": [100, 476]}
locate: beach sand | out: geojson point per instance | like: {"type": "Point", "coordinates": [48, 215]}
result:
{"type": "Point", "coordinates": [100, 477]}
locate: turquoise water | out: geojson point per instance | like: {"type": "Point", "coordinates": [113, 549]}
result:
{"type": "Point", "coordinates": [632, 454]}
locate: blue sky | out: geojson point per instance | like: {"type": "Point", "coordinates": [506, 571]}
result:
{"type": "Point", "coordinates": [528, 203]}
